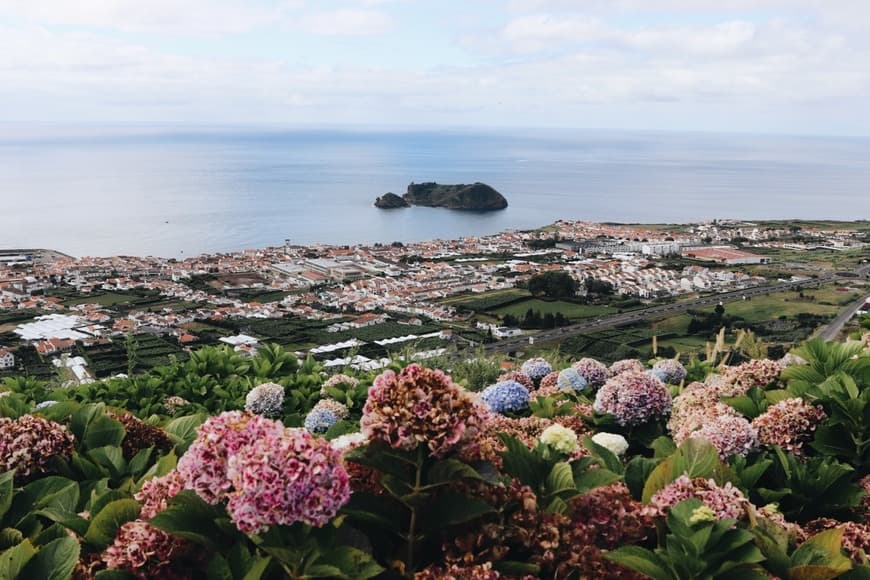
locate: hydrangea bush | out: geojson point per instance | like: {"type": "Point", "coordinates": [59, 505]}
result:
{"type": "Point", "coordinates": [506, 397]}
{"type": "Point", "coordinates": [438, 483]}
{"type": "Point", "coordinates": [633, 398]}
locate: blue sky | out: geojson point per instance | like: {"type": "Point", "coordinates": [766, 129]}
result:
{"type": "Point", "coordinates": [791, 66]}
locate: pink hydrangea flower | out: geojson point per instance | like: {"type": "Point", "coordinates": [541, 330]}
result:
{"type": "Point", "coordinates": [27, 444]}
{"type": "Point", "coordinates": [285, 478]}
{"type": "Point", "coordinates": [595, 373]}
{"type": "Point", "coordinates": [157, 491]}
{"type": "Point", "coordinates": [144, 551]}
{"type": "Point", "coordinates": [729, 434]}
{"type": "Point", "coordinates": [548, 386]}
{"type": "Point", "coordinates": [518, 376]}
{"type": "Point", "coordinates": [754, 373]}
{"type": "Point", "coordinates": [204, 467]}
{"type": "Point", "coordinates": [633, 398]}
{"type": "Point", "coordinates": [789, 424]}
{"type": "Point", "coordinates": [726, 501]}
{"type": "Point", "coordinates": [627, 364]}
{"type": "Point", "coordinates": [420, 406]}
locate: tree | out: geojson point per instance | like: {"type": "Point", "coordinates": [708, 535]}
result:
{"type": "Point", "coordinates": [553, 285]}
{"type": "Point", "coordinates": [601, 287]}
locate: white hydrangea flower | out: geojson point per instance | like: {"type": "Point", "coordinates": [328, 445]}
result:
{"type": "Point", "coordinates": [560, 438]}
{"type": "Point", "coordinates": [344, 441]}
{"type": "Point", "coordinates": [613, 442]}
{"type": "Point", "coordinates": [266, 400]}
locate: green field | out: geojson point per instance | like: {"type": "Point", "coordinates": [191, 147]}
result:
{"type": "Point", "coordinates": [761, 314]}
{"type": "Point", "coordinates": [568, 309]}
{"type": "Point", "coordinates": [487, 300]}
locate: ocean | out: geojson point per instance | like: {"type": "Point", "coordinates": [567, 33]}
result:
{"type": "Point", "coordinates": [178, 191]}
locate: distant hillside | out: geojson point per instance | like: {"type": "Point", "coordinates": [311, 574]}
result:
{"type": "Point", "coordinates": [476, 196]}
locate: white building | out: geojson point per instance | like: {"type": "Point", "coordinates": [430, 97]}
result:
{"type": "Point", "coordinates": [7, 359]}
{"type": "Point", "coordinates": [505, 332]}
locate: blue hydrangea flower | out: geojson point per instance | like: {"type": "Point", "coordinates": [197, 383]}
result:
{"type": "Point", "coordinates": [571, 380]}
{"type": "Point", "coordinates": [319, 420]}
{"type": "Point", "coordinates": [536, 369]}
{"type": "Point", "coordinates": [506, 397]}
{"type": "Point", "coordinates": [669, 371]}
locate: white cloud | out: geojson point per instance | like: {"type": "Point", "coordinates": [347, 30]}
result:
{"type": "Point", "coordinates": [346, 22]}
{"type": "Point", "coordinates": [155, 16]}
{"type": "Point", "coordinates": [547, 62]}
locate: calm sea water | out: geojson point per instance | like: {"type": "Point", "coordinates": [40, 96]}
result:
{"type": "Point", "coordinates": [177, 192]}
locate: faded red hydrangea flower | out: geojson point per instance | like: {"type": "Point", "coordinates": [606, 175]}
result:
{"type": "Point", "coordinates": [689, 419]}
{"type": "Point", "coordinates": [140, 435]}
{"type": "Point", "coordinates": [488, 445]}
{"type": "Point", "coordinates": [633, 398]}
{"type": "Point", "coordinates": [156, 492]}
{"type": "Point", "coordinates": [548, 386]}
{"type": "Point", "coordinates": [518, 376]}
{"type": "Point", "coordinates": [28, 443]}
{"type": "Point", "coordinates": [726, 501]}
{"type": "Point", "coordinates": [458, 572]}
{"type": "Point", "coordinates": [789, 424]}
{"type": "Point", "coordinates": [753, 373]}
{"type": "Point", "coordinates": [595, 373]}
{"type": "Point", "coordinates": [420, 406]}
{"type": "Point", "coordinates": [627, 364]}
{"type": "Point", "coordinates": [284, 478]}
{"type": "Point", "coordinates": [856, 537]}
{"type": "Point", "coordinates": [609, 517]}
{"type": "Point", "coordinates": [146, 552]}
{"type": "Point", "coordinates": [863, 510]}
{"type": "Point", "coordinates": [730, 435]}
{"type": "Point", "coordinates": [204, 466]}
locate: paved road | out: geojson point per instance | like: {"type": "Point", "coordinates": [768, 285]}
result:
{"type": "Point", "coordinates": [833, 328]}
{"type": "Point", "coordinates": [631, 317]}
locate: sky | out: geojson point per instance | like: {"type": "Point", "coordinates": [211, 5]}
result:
{"type": "Point", "coordinates": [772, 66]}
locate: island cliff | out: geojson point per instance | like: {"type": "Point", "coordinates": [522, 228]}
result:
{"type": "Point", "coordinates": [476, 196]}
{"type": "Point", "coordinates": [391, 201]}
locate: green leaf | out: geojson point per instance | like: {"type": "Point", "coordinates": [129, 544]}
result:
{"type": "Point", "coordinates": [592, 478]}
{"type": "Point", "coordinates": [103, 431]}
{"type": "Point", "coordinates": [189, 517]}
{"type": "Point", "coordinates": [828, 541]}
{"type": "Point", "coordinates": [449, 470]}
{"type": "Point", "coordinates": [104, 525]}
{"type": "Point", "coordinates": [258, 568]}
{"type": "Point", "coordinates": [67, 519]}
{"type": "Point", "coordinates": [450, 509]}
{"type": "Point", "coordinates": [696, 457]}
{"type": "Point", "coordinates": [6, 491]}
{"type": "Point", "coordinates": [182, 430]}
{"type": "Point", "coordinates": [663, 447]}
{"type": "Point", "coordinates": [514, 568]}
{"type": "Point", "coordinates": [110, 457]}
{"type": "Point", "coordinates": [636, 473]}
{"type": "Point", "coordinates": [658, 479]}
{"type": "Point", "coordinates": [560, 481]}
{"type": "Point", "coordinates": [13, 560]}
{"type": "Point", "coordinates": [163, 466]}
{"type": "Point", "coordinates": [54, 561]}
{"type": "Point", "coordinates": [641, 560]}
{"type": "Point", "coordinates": [219, 568]}
{"type": "Point", "coordinates": [114, 575]}
{"type": "Point", "coordinates": [521, 462]}
{"type": "Point", "coordinates": [610, 460]}
{"type": "Point", "coordinates": [353, 563]}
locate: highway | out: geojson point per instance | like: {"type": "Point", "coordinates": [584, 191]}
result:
{"type": "Point", "coordinates": [832, 329]}
{"type": "Point", "coordinates": [634, 316]}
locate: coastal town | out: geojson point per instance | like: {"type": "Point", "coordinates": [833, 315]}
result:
{"type": "Point", "coordinates": [356, 304]}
